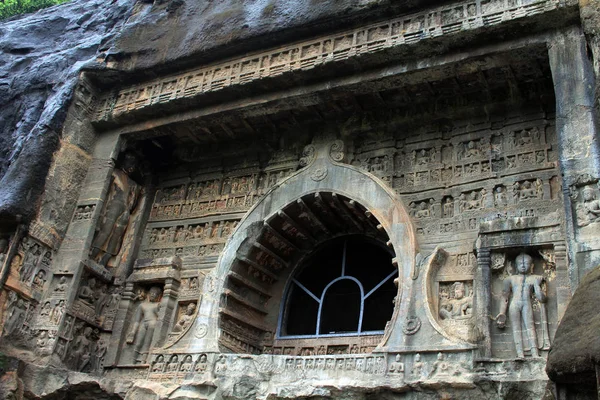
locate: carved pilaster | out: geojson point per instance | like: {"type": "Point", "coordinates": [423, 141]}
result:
{"type": "Point", "coordinates": [483, 300]}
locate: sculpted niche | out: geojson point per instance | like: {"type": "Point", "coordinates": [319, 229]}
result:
{"type": "Point", "coordinates": [121, 201]}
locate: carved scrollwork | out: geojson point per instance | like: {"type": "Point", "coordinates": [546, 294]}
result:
{"type": "Point", "coordinates": [308, 156]}
{"type": "Point", "coordinates": [336, 151]}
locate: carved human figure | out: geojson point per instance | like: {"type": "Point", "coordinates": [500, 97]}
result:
{"type": "Point", "coordinates": [32, 256]}
{"type": "Point", "coordinates": [201, 364]}
{"type": "Point", "coordinates": [473, 203]}
{"type": "Point", "coordinates": [101, 348]}
{"type": "Point", "coordinates": [15, 312]}
{"type": "Point", "coordinates": [588, 211]}
{"type": "Point", "coordinates": [122, 199]}
{"type": "Point", "coordinates": [471, 150]}
{"type": "Point", "coordinates": [517, 299]}
{"type": "Point", "coordinates": [527, 191]}
{"type": "Point", "coordinates": [186, 319]}
{"type": "Point", "coordinates": [62, 285]}
{"type": "Point", "coordinates": [81, 349]}
{"type": "Point", "coordinates": [448, 207]}
{"type": "Point", "coordinates": [46, 309]}
{"type": "Point", "coordinates": [39, 280]}
{"type": "Point", "coordinates": [417, 369]}
{"type": "Point", "coordinates": [172, 365]}
{"type": "Point", "coordinates": [500, 196]}
{"type": "Point", "coordinates": [144, 322]}
{"type": "Point", "coordinates": [397, 367]}
{"type": "Point", "coordinates": [457, 307]}
{"type": "Point", "coordinates": [440, 366]}
{"type": "Point", "coordinates": [186, 365]}
{"type": "Point", "coordinates": [423, 211]}
{"type": "Point", "coordinates": [87, 291]}
{"type": "Point", "coordinates": [159, 364]}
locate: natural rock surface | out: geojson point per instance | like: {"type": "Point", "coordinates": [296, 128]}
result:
{"type": "Point", "coordinates": [576, 348]}
{"type": "Point", "coordinates": [41, 57]}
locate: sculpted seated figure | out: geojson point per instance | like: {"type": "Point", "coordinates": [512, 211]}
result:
{"type": "Point", "coordinates": [459, 307]}
{"type": "Point", "coordinates": [588, 211]}
{"type": "Point", "coordinates": [186, 319]}
{"type": "Point", "coordinates": [144, 323]}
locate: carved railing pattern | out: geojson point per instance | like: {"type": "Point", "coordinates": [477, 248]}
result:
{"type": "Point", "coordinates": [308, 54]}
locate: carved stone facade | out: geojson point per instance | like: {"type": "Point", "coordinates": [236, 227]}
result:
{"type": "Point", "coordinates": [201, 232]}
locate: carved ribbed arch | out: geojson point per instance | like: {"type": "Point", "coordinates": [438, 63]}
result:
{"type": "Point", "coordinates": [324, 200]}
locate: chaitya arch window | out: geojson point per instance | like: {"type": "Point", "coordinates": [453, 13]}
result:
{"type": "Point", "coordinates": [346, 287]}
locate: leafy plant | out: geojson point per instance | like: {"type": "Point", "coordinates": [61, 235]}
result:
{"type": "Point", "coordinates": [9, 8]}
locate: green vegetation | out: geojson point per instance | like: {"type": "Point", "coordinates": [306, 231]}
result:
{"type": "Point", "coordinates": [8, 8]}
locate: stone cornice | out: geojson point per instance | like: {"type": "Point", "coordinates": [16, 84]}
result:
{"type": "Point", "coordinates": [409, 29]}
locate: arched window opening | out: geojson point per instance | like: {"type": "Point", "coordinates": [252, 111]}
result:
{"type": "Point", "coordinates": [345, 288]}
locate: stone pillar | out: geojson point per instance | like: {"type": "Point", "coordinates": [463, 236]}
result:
{"type": "Point", "coordinates": [577, 131]}
{"type": "Point", "coordinates": [482, 300]}
{"type": "Point", "coordinates": [74, 249]}
{"type": "Point", "coordinates": [563, 288]}
{"type": "Point", "coordinates": [168, 306]}
{"type": "Point", "coordinates": [118, 337]}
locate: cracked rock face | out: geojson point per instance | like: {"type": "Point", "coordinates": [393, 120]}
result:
{"type": "Point", "coordinates": [41, 57]}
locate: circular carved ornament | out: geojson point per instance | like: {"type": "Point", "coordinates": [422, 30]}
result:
{"type": "Point", "coordinates": [411, 325]}
{"type": "Point", "coordinates": [318, 174]}
{"type": "Point", "coordinates": [201, 331]}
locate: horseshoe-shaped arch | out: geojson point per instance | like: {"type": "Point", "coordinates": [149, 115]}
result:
{"type": "Point", "coordinates": [241, 302]}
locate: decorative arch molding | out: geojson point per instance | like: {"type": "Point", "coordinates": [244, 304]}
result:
{"type": "Point", "coordinates": [328, 198]}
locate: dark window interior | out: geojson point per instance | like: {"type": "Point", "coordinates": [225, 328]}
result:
{"type": "Point", "coordinates": [345, 264]}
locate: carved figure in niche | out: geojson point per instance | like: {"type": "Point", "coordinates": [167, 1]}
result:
{"type": "Point", "coordinates": [102, 298]}
{"type": "Point", "coordinates": [31, 258]}
{"type": "Point", "coordinates": [470, 203]}
{"type": "Point", "coordinates": [62, 285]}
{"type": "Point", "coordinates": [186, 365]}
{"type": "Point", "coordinates": [527, 191]}
{"type": "Point", "coordinates": [500, 198]}
{"type": "Point", "coordinates": [422, 157]}
{"type": "Point", "coordinates": [57, 312]}
{"type": "Point", "coordinates": [448, 207]}
{"type": "Point", "coordinates": [588, 211]}
{"type": "Point", "coordinates": [173, 364]}
{"type": "Point", "coordinates": [87, 291]}
{"type": "Point", "coordinates": [457, 306]}
{"type": "Point", "coordinates": [46, 309]}
{"type": "Point", "coordinates": [39, 280]}
{"type": "Point", "coordinates": [423, 211]}
{"type": "Point", "coordinates": [517, 292]}
{"type": "Point", "coordinates": [397, 367]}
{"type": "Point", "coordinates": [186, 319]}
{"type": "Point", "coordinates": [417, 370]}
{"type": "Point", "coordinates": [440, 366]}
{"type": "Point", "coordinates": [144, 322]}
{"type": "Point", "coordinates": [471, 150]}
{"type": "Point", "coordinates": [180, 236]}
{"type": "Point", "coordinates": [194, 283]}
{"type": "Point", "coordinates": [81, 352]}
{"type": "Point", "coordinates": [159, 364]}
{"type": "Point", "coordinates": [221, 365]}
{"type": "Point", "coordinates": [101, 348]}
{"type": "Point", "coordinates": [121, 201]}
